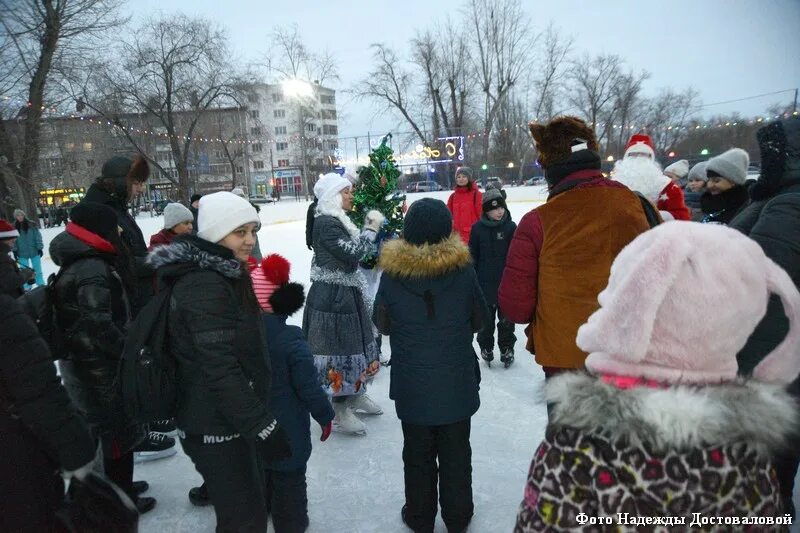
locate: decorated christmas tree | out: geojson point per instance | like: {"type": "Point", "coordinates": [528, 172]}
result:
{"type": "Point", "coordinates": [377, 189]}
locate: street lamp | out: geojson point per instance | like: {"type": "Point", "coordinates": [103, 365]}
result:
{"type": "Point", "coordinates": [610, 159]}
{"type": "Point", "coordinates": [299, 90]}
{"type": "Point", "coordinates": [704, 151]}
{"type": "Point", "coordinates": [510, 164]}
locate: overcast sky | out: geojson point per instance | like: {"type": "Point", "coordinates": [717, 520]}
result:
{"type": "Point", "coordinates": [727, 49]}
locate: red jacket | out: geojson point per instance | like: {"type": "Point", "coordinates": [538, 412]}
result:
{"type": "Point", "coordinates": [164, 236]}
{"type": "Point", "coordinates": [465, 205]}
{"type": "Point", "coordinates": [671, 200]}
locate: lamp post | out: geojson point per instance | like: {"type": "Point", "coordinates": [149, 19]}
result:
{"type": "Point", "coordinates": [298, 90]}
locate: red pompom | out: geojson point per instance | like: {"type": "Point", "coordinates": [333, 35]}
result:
{"type": "Point", "coordinates": [276, 269]}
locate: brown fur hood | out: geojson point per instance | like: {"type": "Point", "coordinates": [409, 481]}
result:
{"type": "Point", "coordinates": [402, 259]}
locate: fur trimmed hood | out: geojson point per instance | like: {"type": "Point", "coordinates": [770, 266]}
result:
{"type": "Point", "coordinates": [759, 415]}
{"type": "Point", "coordinates": [401, 259]}
{"type": "Point", "coordinates": [202, 254]}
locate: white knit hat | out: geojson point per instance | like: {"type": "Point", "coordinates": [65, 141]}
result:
{"type": "Point", "coordinates": [330, 185]}
{"type": "Point", "coordinates": [176, 213]}
{"type": "Point", "coordinates": [679, 168]}
{"type": "Point", "coordinates": [731, 165]}
{"type": "Point", "coordinates": [238, 191]}
{"type": "Point", "coordinates": [221, 213]}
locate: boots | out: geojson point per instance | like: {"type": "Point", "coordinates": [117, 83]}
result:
{"type": "Point", "coordinates": [507, 357]}
{"type": "Point", "coordinates": [364, 403]}
{"type": "Point", "coordinates": [487, 355]}
{"type": "Point", "coordinates": [347, 422]}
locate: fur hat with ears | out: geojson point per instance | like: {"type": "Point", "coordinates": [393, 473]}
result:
{"type": "Point", "coordinates": [647, 325]}
{"type": "Point", "coordinates": [275, 293]}
{"type": "Point", "coordinates": [119, 173]}
{"type": "Point", "coordinates": [556, 139]}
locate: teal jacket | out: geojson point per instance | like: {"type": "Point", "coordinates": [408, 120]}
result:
{"type": "Point", "coordinates": [29, 243]}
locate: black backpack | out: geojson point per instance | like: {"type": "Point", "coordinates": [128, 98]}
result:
{"type": "Point", "coordinates": [39, 304]}
{"type": "Point", "coordinates": [148, 371]}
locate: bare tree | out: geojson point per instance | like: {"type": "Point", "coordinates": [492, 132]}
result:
{"type": "Point", "coordinates": [668, 116]}
{"type": "Point", "coordinates": [290, 58]}
{"type": "Point", "coordinates": [628, 107]}
{"type": "Point", "coordinates": [504, 44]}
{"type": "Point", "coordinates": [594, 92]}
{"type": "Point", "coordinates": [174, 70]}
{"type": "Point", "coordinates": [551, 72]}
{"type": "Point", "coordinates": [36, 35]}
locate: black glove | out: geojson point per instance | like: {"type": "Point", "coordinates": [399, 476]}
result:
{"type": "Point", "coordinates": [41, 253]}
{"type": "Point", "coordinates": [272, 443]}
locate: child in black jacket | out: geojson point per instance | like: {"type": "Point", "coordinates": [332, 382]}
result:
{"type": "Point", "coordinates": [488, 243]}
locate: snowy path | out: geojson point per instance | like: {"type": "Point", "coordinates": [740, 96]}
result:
{"type": "Point", "coordinates": [355, 484]}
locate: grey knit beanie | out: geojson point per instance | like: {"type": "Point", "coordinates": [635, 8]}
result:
{"type": "Point", "coordinates": [731, 165]}
{"type": "Point", "coordinates": [698, 172]}
{"type": "Point", "coordinates": [176, 213]}
{"type": "Point", "coordinates": [466, 171]}
{"type": "Point", "coordinates": [18, 212]}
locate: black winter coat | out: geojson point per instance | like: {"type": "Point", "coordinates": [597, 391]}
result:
{"type": "Point", "coordinates": [310, 223]}
{"type": "Point", "coordinates": [296, 389]}
{"type": "Point", "coordinates": [93, 311]}
{"type": "Point", "coordinates": [723, 207]}
{"type": "Point", "coordinates": [215, 334]}
{"type": "Point", "coordinates": [488, 244]}
{"type": "Point", "coordinates": [33, 403]}
{"type": "Point", "coordinates": [430, 304]}
{"type": "Point", "coordinates": [773, 221]}
{"type": "Point", "coordinates": [11, 280]}
{"type": "Point", "coordinates": [133, 238]}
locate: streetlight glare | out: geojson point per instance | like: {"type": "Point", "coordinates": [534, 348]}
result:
{"type": "Point", "coordinates": [297, 88]}
{"type": "Point", "coordinates": [511, 164]}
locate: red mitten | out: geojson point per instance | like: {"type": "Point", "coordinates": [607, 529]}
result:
{"type": "Point", "coordinates": [326, 431]}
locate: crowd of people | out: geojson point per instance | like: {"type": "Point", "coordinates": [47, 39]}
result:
{"type": "Point", "coordinates": [670, 343]}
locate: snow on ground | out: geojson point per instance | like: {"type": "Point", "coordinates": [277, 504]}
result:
{"type": "Point", "coordinates": [355, 484]}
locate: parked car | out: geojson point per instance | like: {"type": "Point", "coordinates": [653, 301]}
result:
{"type": "Point", "coordinates": [536, 180]}
{"type": "Point", "coordinates": [261, 199]}
{"type": "Point", "coordinates": [493, 182]}
{"type": "Point", "coordinates": [423, 186]}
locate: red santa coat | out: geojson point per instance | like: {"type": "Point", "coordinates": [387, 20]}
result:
{"type": "Point", "coordinates": [671, 201]}
{"type": "Point", "coordinates": [465, 205]}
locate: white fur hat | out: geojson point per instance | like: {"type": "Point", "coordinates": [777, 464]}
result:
{"type": "Point", "coordinates": [731, 165]}
{"type": "Point", "coordinates": [647, 325]}
{"type": "Point", "coordinates": [330, 185]}
{"type": "Point", "coordinates": [679, 168]}
{"type": "Point", "coordinates": [221, 213]}
{"type": "Point", "coordinates": [175, 213]}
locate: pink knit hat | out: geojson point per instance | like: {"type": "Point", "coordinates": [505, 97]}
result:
{"type": "Point", "coordinates": [274, 292]}
{"type": "Point", "coordinates": [682, 300]}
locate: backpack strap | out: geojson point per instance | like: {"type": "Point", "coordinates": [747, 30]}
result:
{"type": "Point", "coordinates": [650, 212]}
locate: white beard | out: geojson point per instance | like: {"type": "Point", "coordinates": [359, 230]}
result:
{"type": "Point", "coordinates": [642, 175]}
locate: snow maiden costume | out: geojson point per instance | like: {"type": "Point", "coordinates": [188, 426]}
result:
{"type": "Point", "coordinates": [661, 426]}
{"type": "Point", "coordinates": [336, 320]}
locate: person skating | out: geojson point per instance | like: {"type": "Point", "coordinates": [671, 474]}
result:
{"type": "Point", "coordinates": [695, 189]}
{"type": "Point", "coordinates": [661, 426]}
{"type": "Point", "coordinates": [336, 320]}
{"type": "Point", "coordinates": [29, 248]}
{"type": "Point", "coordinates": [96, 277]}
{"type": "Point", "coordinates": [223, 373]}
{"type": "Point", "coordinates": [639, 171]}
{"type": "Point", "coordinates": [465, 203]}
{"type": "Point", "coordinates": [488, 243]}
{"type": "Point", "coordinates": [178, 220]}
{"type": "Point", "coordinates": [726, 194]}
{"type": "Point", "coordinates": [430, 305]}
{"type": "Point", "coordinates": [562, 251]}
{"type": "Point", "coordinates": [296, 393]}
{"type": "Point", "coordinates": [12, 277]}
{"type": "Point", "coordinates": [773, 221]}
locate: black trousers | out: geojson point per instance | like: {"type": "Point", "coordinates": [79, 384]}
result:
{"type": "Point", "coordinates": [234, 476]}
{"type": "Point", "coordinates": [120, 471]}
{"type": "Point", "coordinates": [31, 487]}
{"type": "Point", "coordinates": [787, 461]}
{"type": "Point", "coordinates": [422, 447]}
{"type": "Point", "coordinates": [287, 501]}
{"type": "Point", "coordinates": [505, 331]}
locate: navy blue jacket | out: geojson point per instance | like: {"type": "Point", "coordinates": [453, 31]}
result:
{"type": "Point", "coordinates": [296, 390]}
{"type": "Point", "coordinates": [430, 304]}
{"type": "Point", "coordinates": [488, 244]}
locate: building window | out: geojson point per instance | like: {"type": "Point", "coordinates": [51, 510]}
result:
{"type": "Point", "coordinates": [283, 162]}
{"type": "Point", "coordinates": [329, 114]}
{"type": "Point", "coordinates": [327, 99]}
{"type": "Point", "coordinates": [280, 130]}
{"type": "Point", "coordinates": [252, 97]}
{"type": "Point", "coordinates": [73, 166]}
{"type": "Point", "coordinates": [254, 113]}
{"type": "Point", "coordinates": [333, 145]}
{"type": "Point", "coordinates": [311, 128]}
{"type": "Point", "coordinates": [258, 165]}
{"type": "Point", "coordinates": [279, 113]}
{"type": "Point", "coordinates": [281, 146]}
{"type": "Point", "coordinates": [330, 130]}
{"type": "Point", "coordinates": [69, 146]}
{"type": "Point", "coordinates": [87, 147]}
{"type": "Point", "coordinates": [277, 97]}
{"type": "Point", "coordinates": [255, 131]}
{"type": "Point", "coordinates": [240, 169]}
{"type": "Point", "coordinates": [90, 163]}
{"type": "Point", "coordinates": [218, 154]}
{"type": "Point", "coordinates": [256, 147]}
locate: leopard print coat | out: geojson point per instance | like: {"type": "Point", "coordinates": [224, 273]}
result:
{"type": "Point", "coordinates": [651, 459]}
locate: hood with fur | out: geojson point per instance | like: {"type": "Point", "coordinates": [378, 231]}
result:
{"type": "Point", "coordinates": [642, 175]}
{"type": "Point", "coordinates": [759, 415]}
{"type": "Point", "coordinates": [401, 259]}
{"type": "Point", "coordinates": [195, 252]}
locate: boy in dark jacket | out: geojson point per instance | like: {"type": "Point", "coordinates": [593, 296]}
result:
{"type": "Point", "coordinates": [488, 244]}
{"type": "Point", "coordinates": [296, 392]}
{"type": "Point", "coordinates": [430, 304]}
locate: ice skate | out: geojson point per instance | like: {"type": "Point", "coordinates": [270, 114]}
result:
{"type": "Point", "coordinates": [346, 422]}
{"type": "Point", "coordinates": [488, 356]}
{"type": "Point", "coordinates": [507, 357]}
{"type": "Point", "coordinates": [364, 403]}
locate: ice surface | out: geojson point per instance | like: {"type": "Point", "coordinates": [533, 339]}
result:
{"type": "Point", "coordinates": [355, 484]}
